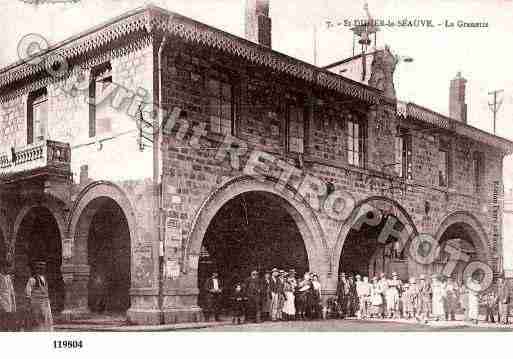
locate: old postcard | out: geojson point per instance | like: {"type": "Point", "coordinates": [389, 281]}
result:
{"type": "Point", "coordinates": [255, 165]}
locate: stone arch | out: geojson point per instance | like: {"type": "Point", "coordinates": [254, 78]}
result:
{"type": "Point", "coordinates": [94, 198]}
{"type": "Point", "coordinates": [473, 228]}
{"type": "Point", "coordinates": [297, 207]}
{"type": "Point", "coordinates": [96, 190]}
{"type": "Point", "coordinates": [52, 206]}
{"type": "Point", "coordinates": [399, 212]}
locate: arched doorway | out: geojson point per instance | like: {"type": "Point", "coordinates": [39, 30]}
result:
{"type": "Point", "coordinates": [361, 250]}
{"type": "Point", "coordinates": [363, 254]}
{"type": "Point", "coordinates": [465, 238]}
{"type": "Point", "coordinates": [253, 230]}
{"type": "Point", "coordinates": [103, 242]}
{"type": "Point", "coordinates": [38, 239]}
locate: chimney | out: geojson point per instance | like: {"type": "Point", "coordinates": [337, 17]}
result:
{"type": "Point", "coordinates": [457, 105]}
{"type": "Point", "coordinates": [258, 22]}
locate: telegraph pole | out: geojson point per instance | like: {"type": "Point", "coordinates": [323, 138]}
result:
{"type": "Point", "coordinates": [495, 106]}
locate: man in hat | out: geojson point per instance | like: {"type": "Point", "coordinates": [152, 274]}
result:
{"type": "Point", "coordinates": [7, 298]}
{"type": "Point", "coordinates": [213, 291]}
{"type": "Point", "coordinates": [277, 295]}
{"type": "Point", "coordinates": [253, 293]}
{"type": "Point", "coordinates": [410, 299]}
{"type": "Point", "coordinates": [453, 299]}
{"type": "Point", "coordinates": [266, 296]}
{"type": "Point", "coordinates": [383, 289]}
{"type": "Point", "coordinates": [424, 299]}
{"type": "Point", "coordinates": [40, 313]}
{"type": "Point", "coordinates": [392, 296]}
{"type": "Point", "coordinates": [363, 290]}
{"type": "Point", "coordinates": [342, 295]}
{"type": "Point", "coordinates": [503, 299]}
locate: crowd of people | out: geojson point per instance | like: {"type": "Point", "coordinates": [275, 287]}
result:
{"type": "Point", "coordinates": [281, 295]}
{"type": "Point", "coordinates": [38, 315]}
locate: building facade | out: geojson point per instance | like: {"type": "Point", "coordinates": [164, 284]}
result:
{"type": "Point", "coordinates": [143, 154]}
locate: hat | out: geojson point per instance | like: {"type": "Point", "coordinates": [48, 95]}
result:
{"type": "Point", "coordinates": [358, 276]}
{"type": "Point", "coordinates": [275, 270]}
{"type": "Point", "coordinates": [342, 274]}
{"type": "Point", "coordinates": [374, 278]}
{"type": "Point", "coordinates": [254, 272]}
{"type": "Point", "coordinates": [422, 277]}
{"type": "Point", "coordinates": [412, 280]}
{"type": "Point", "coordinates": [394, 274]}
{"type": "Point", "coordinates": [292, 271]}
{"type": "Point", "coordinates": [382, 275]}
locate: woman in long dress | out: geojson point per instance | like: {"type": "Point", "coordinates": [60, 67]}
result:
{"type": "Point", "coordinates": [40, 313]}
{"type": "Point", "coordinates": [289, 309]}
{"type": "Point", "coordinates": [473, 300]}
{"type": "Point", "coordinates": [438, 309]}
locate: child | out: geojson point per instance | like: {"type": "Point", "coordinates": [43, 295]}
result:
{"type": "Point", "coordinates": [238, 304]}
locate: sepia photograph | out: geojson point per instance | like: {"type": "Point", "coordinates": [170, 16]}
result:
{"type": "Point", "coordinates": [255, 166]}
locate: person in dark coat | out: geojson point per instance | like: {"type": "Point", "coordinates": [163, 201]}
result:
{"type": "Point", "coordinates": [266, 296]}
{"type": "Point", "coordinates": [238, 304]}
{"type": "Point", "coordinates": [253, 292]}
{"type": "Point", "coordinates": [213, 289]}
{"type": "Point", "coordinates": [342, 295]}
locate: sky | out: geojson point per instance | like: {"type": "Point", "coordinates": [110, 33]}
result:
{"type": "Point", "coordinates": [483, 55]}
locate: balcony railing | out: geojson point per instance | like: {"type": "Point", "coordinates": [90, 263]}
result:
{"type": "Point", "coordinates": [47, 154]}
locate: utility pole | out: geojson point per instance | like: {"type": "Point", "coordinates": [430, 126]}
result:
{"type": "Point", "coordinates": [495, 106]}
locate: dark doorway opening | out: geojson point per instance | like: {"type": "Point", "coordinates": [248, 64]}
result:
{"type": "Point", "coordinates": [109, 259]}
{"type": "Point", "coordinates": [254, 230]}
{"type": "Point", "coordinates": [39, 239]}
{"type": "Point", "coordinates": [363, 254]}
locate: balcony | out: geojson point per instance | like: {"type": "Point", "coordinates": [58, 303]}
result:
{"type": "Point", "coordinates": [43, 158]}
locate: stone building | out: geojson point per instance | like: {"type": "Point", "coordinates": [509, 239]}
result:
{"type": "Point", "coordinates": [142, 154]}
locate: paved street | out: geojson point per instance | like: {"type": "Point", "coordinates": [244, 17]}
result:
{"type": "Point", "coordinates": [357, 326]}
{"type": "Point", "coordinates": [119, 324]}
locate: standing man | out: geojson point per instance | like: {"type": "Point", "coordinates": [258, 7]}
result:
{"type": "Point", "coordinates": [40, 313]}
{"type": "Point", "coordinates": [392, 296]}
{"type": "Point", "coordinates": [213, 289]}
{"type": "Point", "coordinates": [253, 293]}
{"type": "Point", "coordinates": [276, 295]}
{"type": "Point", "coordinates": [342, 295]}
{"type": "Point", "coordinates": [503, 298]}
{"type": "Point", "coordinates": [266, 296]}
{"type": "Point", "coordinates": [453, 299]}
{"type": "Point", "coordinates": [424, 299]}
{"type": "Point", "coordinates": [363, 290]}
{"type": "Point", "coordinates": [7, 298]}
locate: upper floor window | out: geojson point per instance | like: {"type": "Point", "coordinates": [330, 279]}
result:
{"type": "Point", "coordinates": [477, 165]}
{"type": "Point", "coordinates": [100, 112]}
{"type": "Point", "coordinates": [37, 118]}
{"type": "Point", "coordinates": [221, 106]}
{"type": "Point", "coordinates": [444, 164]}
{"type": "Point", "coordinates": [403, 154]}
{"type": "Point", "coordinates": [355, 141]}
{"type": "Point", "coordinates": [295, 128]}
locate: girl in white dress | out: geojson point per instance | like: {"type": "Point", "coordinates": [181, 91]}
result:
{"type": "Point", "coordinates": [289, 309]}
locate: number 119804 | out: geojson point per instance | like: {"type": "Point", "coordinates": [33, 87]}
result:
{"type": "Point", "coordinates": [67, 344]}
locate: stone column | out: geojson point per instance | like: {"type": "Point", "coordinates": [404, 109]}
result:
{"type": "Point", "coordinates": [76, 283]}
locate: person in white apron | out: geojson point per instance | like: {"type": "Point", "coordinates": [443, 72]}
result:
{"type": "Point", "coordinates": [40, 314]}
{"type": "Point", "coordinates": [7, 298]}
{"type": "Point", "coordinates": [289, 308]}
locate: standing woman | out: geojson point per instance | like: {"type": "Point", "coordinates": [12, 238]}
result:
{"type": "Point", "coordinates": [7, 299]}
{"type": "Point", "coordinates": [289, 308]}
{"type": "Point", "coordinates": [473, 300]}
{"type": "Point", "coordinates": [40, 314]}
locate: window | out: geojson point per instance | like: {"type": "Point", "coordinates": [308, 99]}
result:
{"type": "Point", "coordinates": [477, 164]}
{"type": "Point", "coordinates": [220, 106]}
{"type": "Point", "coordinates": [403, 155]}
{"type": "Point", "coordinates": [444, 162]}
{"type": "Point", "coordinates": [100, 115]}
{"type": "Point", "coordinates": [295, 129]}
{"type": "Point", "coordinates": [355, 142]}
{"type": "Point", "coordinates": [37, 116]}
